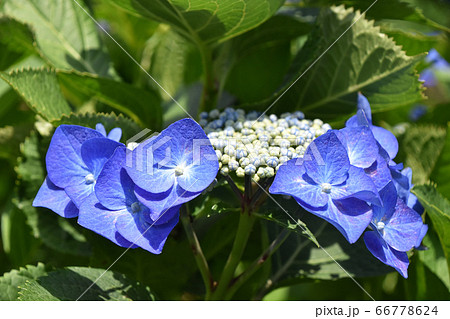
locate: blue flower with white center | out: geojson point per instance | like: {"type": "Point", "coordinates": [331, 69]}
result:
{"type": "Point", "coordinates": [74, 160]}
{"type": "Point", "coordinates": [325, 184]}
{"type": "Point", "coordinates": [363, 117]}
{"type": "Point", "coordinates": [396, 229]}
{"type": "Point", "coordinates": [116, 213]}
{"type": "Point", "coordinates": [115, 134]}
{"type": "Point", "coordinates": [180, 159]}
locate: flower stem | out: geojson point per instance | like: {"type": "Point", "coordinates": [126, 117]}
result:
{"type": "Point", "coordinates": [200, 259]}
{"type": "Point", "coordinates": [257, 264]}
{"type": "Point", "coordinates": [246, 222]}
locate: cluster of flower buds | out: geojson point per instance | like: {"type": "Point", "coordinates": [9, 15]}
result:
{"type": "Point", "coordinates": [256, 144]}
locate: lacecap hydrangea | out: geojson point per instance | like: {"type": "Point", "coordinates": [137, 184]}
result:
{"type": "Point", "coordinates": [348, 177]}
{"type": "Point", "coordinates": [88, 177]}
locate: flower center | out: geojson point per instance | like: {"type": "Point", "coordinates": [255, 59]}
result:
{"type": "Point", "coordinates": [326, 188]}
{"type": "Point", "coordinates": [380, 226]}
{"type": "Point", "coordinates": [179, 171]}
{"type": "Point", "coordinates": [89, 179]}
{"type": "Point", "coordinates": [135, 207]}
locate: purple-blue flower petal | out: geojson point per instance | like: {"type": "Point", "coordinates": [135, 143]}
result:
{"type": "Point", "coordinates": [96, 151]}
{"type": "Point", "coordinates": [114, 188]}
{"type": "Point", "coordinates": [361, 145]}
{"type": "Point", "coordinates": [52, 197]}
{"type": "Point", "coordinates": [358, 185]}
{"type": "Point", "coordinates": [149, 236]}
{"type": "Point", "coordinates": [387, 140]}
{"type": "Point", "coordinates": [404, 228]}
{"type": "Point", "coordinates": [101, 220]}
{"type": "Point", "coordinates": [101, 129]}
{"type": "Point", "coordinates": [115, 134]}
{"type": "Point", "coordinates": [290, 180]}
{"type": "Point", "coordinates": [65, 166]}
{"type": "Point", "coordinates": [326, 160]}
{"type": "Point", "coordinates": [379, 173]}
{"type": "Point", "coordinates": [387, 255]}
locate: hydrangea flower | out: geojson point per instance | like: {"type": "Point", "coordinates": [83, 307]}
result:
{"type": "Point", "coordinates": [74, 160]}
{"type": "Point", "coordinates": [363, 117]}
{"type": "Point", "coordinates": [327, 185]}
{"type": "Point", "coordinates": [178, 165]}
{"type": "Point", "coordinates": [396, 229]}
{"type": "Point", "coordinates": [114, 211]}
{"type": "Point", "coordinates": [438, 63]}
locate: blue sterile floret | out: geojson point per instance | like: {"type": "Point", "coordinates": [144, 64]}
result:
{"type": "Point", "coordinates": [74, 160]}
{"type": "Point", "coordinates": [327, 185]}
{"type": "Point", "coordinates": [396, 229]}
{"type": "Point", "coordinates": [89, 176]}
{"type": "Point", "coordinates": [348, 177]}
{"type": "Point", "coordinates": [174, 167]}
{"type": "Point", "coordinates": [115, 212]}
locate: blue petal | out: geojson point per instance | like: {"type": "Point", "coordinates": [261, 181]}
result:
{"type": "Point", "coordinates": [143, 169]}
{"type": "Point", "coordinates": [386, 254]}
{"type": "Point", "coordinates": [65, 166]}
{"type": "Point", "coordinates": [423, 232]}
{"type": "Point", "coordinates": [114, 188]}
{"type": "Point", "coordinates": [379, 173]}
{"type": "Point", "coordinates": [358, 185]}
{"type": "Point", "coordinates": [403, 229]}
{"type": "Point", "coordinates": [290, 180]}
{"type": "Point", "coordinates": [388, 196]}
{"type": "Point", "coordinates": [361, 146]}
{"type": "Point", "coordinates": [52, 197]}
{"type": "Point", "coordinates": [387, 140]}
{"type": "Point", "coordinates": [96, 151]}
{"type": "Point", "coordinates": [101, 129]}
{"type": "Point", "coordinates": [115, 134]}
{"type": "Point", "coordinates": [414, 203]}
{"type": "Point", "coordinates": [326, 160]}
{"type": "Point", "coordinates": [350, 216]}
{"type": "Point", "coordinates": [140, 232]}
{"type": "Point", "coordinates": [364, 106]}
{"type": "Point", "coordinates": [161, 202]}
{"type": "Point", "coordinates": [79, 191]}
{"type": "Point", "coordinates": [101, 220]}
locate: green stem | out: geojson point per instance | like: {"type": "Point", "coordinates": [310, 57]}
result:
{"type": "Point", "coordinates": [200, 259]}
{"type": "Point", "coordinates": [209, 94]}
{"type": "Point", "coordinates": [257, 264]}
{"type": "Point", "coordinates": [246, 222]}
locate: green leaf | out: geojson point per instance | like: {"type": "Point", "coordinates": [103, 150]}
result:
{"type": "Point", "coordinates": [290, 216]}
{"type": "Point", "coordinates": [40, 90]}
{"type": "Point", "coordinates": [65, 34]}
{"type": "Point", "coordinates": [17, 240]}
{"type": "Point", "coordinates": [438, 208]}
{"type": "Point", "coordinates": [255, 63]}
{"type": "Point", "coordinates": [334, 65]}
{"type": "Point", "coordinates": [422, 145]}
{"type": "Point", "coordinates": [110, 121]}
{"type": "Point", "coordinates": [208, 21]}
{"type": "Point", "coordinates": [74, 282]}
{"type": "Point", "coordinates": [173, 61]}
{"type": "Point", "coordinates": [10, 281]}
{"type": "Point", "coordinates": [409, 36]}
{"type": "Point", "coordinates": [434, 257]}
{"type": "Point", "coordinates": [142, 106]}
{"type": "Point", "coordinates": [441, 172]}
{"type": "Point", "coordinates": [16, 42]}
